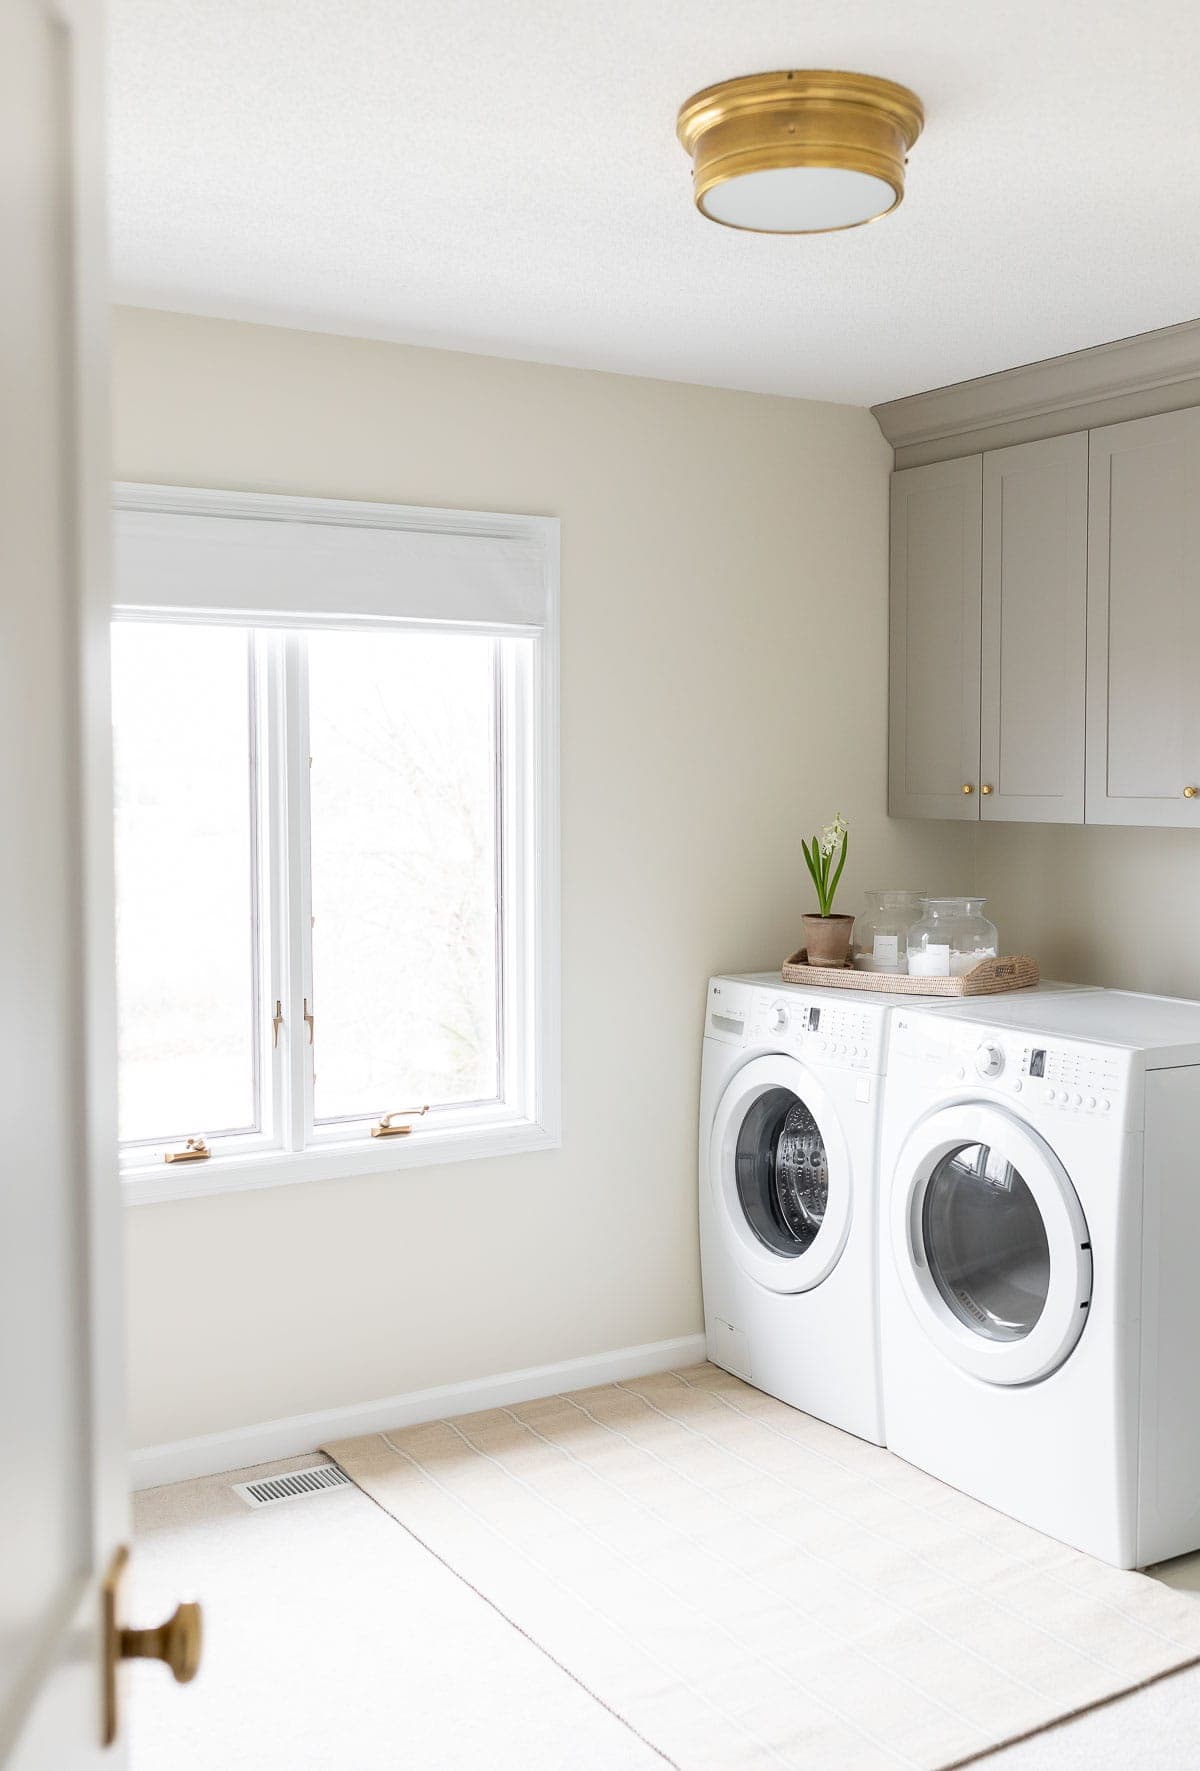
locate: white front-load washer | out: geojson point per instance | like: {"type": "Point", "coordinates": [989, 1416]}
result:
{"type": "Point", "coordinates": [1039, 1229]}
{"type": "Point", "coordinates": [791, 1084]}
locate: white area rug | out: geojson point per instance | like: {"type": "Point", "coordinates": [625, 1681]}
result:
{"type": "Point", "coordinates": [746, 1587]}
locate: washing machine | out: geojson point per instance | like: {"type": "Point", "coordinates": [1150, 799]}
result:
{"type": "Point", "coordinates": [1040, 1258]}
{"type": "Point", "coordinates": [791, 1085]}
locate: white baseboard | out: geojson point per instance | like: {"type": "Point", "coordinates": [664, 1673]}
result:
{"type": "Point", "coordinates": [217, 1452]}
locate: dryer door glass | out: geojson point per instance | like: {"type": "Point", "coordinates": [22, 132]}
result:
{"type": "Point", "coordinates": [986, 1243]}
{"type": "Point", "coordinates": [782, 1172]}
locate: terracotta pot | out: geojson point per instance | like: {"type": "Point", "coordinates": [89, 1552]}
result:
{"type": "Point", "coordinates": [827, 939]}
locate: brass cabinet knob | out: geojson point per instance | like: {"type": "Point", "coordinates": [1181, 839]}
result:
{"type": "Point", "coordinates": [986, 788]}
{"type": "Point", "coordinates": [178, 1642]}
{"type": "Point", "coordinates": [1190, 792]}
{"type": "Point", "coordinates": [967, 787]}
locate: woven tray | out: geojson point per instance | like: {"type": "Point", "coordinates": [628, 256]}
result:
{"type": "Point", "coordinates": [991, 977]}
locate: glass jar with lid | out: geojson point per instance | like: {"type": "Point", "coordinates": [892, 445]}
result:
{"type": "Point", "coordinates": [951, 938]}
{"type": "Point", "coordinates": [880, 937]}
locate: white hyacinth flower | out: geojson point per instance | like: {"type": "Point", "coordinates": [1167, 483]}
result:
{"type": "Point", "coordinates": [833, 833]}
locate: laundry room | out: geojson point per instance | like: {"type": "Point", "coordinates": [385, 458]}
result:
{"type": "Point", "coordinates": [605, 805]}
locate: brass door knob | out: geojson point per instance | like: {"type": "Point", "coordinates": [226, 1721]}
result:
{"type": "Point", "coordinates": [967, 787]}
{"type": "Point", "coordinates": [178, 1642]}
{"type": "Point", "coordinates": [1190, 792]}
{"type": "Point", "coordinates": [986, 788]}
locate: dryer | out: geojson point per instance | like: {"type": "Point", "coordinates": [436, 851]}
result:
{"type": "Point", "coordinates": [1040, 1224]}
{"type": "Point", "coordinates": [789, 1119]}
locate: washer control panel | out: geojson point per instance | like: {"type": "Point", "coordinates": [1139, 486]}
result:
{"type": "Point", "coordinates": [843, 1035]}
{"type": "Point", "coordinates": [1067, 1076]}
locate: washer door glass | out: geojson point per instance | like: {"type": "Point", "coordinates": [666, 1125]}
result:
{"type": "Point", "coordinates": [986, 1243]}
{"type": "Point", "coordinates": [782, 1170]}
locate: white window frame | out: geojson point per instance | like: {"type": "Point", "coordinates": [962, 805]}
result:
{"type": "Point", "coordinates": [525, 551]}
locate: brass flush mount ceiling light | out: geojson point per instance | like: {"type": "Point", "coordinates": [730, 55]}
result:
{"type": "Point", "coordinates": [799, 152]}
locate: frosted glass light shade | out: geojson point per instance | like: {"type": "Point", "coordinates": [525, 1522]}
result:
{"type": "Point", "coordinates": [801, 151]}
{"type": "Point", "coordinates": [798, 200]}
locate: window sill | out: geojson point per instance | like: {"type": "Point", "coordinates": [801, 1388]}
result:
{"type": "Point", "coordinates": [160, 1182]}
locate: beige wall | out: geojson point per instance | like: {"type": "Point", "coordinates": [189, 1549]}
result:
{"type": "Point", "coordinates": [1097, 904]}
{"type": "Point", "coordinates": [724, 598]}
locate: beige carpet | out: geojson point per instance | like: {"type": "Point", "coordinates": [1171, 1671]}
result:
{"type": "Point", "coordinates": [746, 1587]}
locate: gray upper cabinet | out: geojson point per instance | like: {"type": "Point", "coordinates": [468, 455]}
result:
{"type": "Point", "coordinates": [936, 566]}
{"type": "Point", "coordinates": [1143, 711]}
{"type": "Point", "coordinates": [1034, 650]}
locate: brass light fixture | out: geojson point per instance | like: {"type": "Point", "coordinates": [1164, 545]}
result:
{"type": "Point", "coordinates": [803, 151]}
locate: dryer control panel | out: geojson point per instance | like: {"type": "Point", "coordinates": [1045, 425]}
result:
{"type": "Point", "coordinates": [1067, 1075]}
{"type": "Point", "coordinates": [845, 1036]}
{"type": "Point", "coordinates": [1083, 1077]}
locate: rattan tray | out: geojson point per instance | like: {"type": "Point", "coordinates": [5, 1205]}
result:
{"type": "Point", "coordinates": [991, 977]}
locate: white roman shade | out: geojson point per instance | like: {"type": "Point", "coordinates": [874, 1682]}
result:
{"type": "Point", "coordinates": [272, 560]}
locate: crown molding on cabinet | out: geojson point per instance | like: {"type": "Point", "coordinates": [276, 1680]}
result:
{"type": "Point", "coordinates": [1130, 378]}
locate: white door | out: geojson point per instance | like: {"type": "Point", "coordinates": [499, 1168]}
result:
{"type": "Point", "coordinates": [1034, 631]}
{"type": "Point", "coordinates": [1143, 717]}
{"type": "Point", "coordinates": [63, 1484]}
{"type": "Point", "coordinates": [936, 568]}
{"type": "Point", "coordinates": [990, 1243]}
{"type": "Point", "coordinates": [780, 1173]}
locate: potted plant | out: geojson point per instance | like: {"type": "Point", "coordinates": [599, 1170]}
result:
{"type": "Point", "coordinates": [826, 936]}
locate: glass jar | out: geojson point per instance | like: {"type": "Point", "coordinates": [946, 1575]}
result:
{"type": "Point", "coordinates": [951, 938]}
{"type": "Point", "coordinates": [880, 936]}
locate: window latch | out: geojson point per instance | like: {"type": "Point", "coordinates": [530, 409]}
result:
{"type": "Point", "coordinates": [195, 1150]}
{"type": "Point", "coordinates": [388, 1128]}
{"type": "Point", "coordinates": [308, 1019]}
{"type": "Point", "coordinates": [276, 1021]}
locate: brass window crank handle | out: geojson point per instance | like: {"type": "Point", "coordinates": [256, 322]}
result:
{"type": "Point", "coordinates": [195, 1150]}
{"type": "Point", "coordinates": [389, 1127]}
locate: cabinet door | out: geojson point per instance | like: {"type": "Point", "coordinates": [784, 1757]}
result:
{"type": "Point", "coordinates": [936, 563]}
{"type": "Point", "coordinates": [1143, 715]}
{"type": "Point", "coordinates": [1034, 631]}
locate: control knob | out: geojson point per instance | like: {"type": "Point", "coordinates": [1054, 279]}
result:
{"type": "Point", "coordinates": [989, 1060]}
{"type": "Point", "coordinates": [779, 1018]}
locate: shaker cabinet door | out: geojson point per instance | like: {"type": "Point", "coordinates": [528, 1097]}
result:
{"type": "Point", "coordinates": [1034, 631]}
{"type": "Point", "coordinates": [936, 563]}
{"type": "Point", "coordinates": [1143, 713]}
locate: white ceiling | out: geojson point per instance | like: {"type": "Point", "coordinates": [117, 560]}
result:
{"type": "Point", "coordinates": [503, 176]}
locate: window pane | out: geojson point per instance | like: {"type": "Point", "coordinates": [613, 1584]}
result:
{"type": "Point", "coordinates": [404, 868]}
{"type": "Point", "coordinates": [186, 969]}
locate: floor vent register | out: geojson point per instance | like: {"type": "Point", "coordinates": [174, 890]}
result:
{"type": "Point", "coordinates": [268, 1491]}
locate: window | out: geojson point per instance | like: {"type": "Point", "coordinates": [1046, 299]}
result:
{"type": "Point", "coordinates": [335, 779]}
